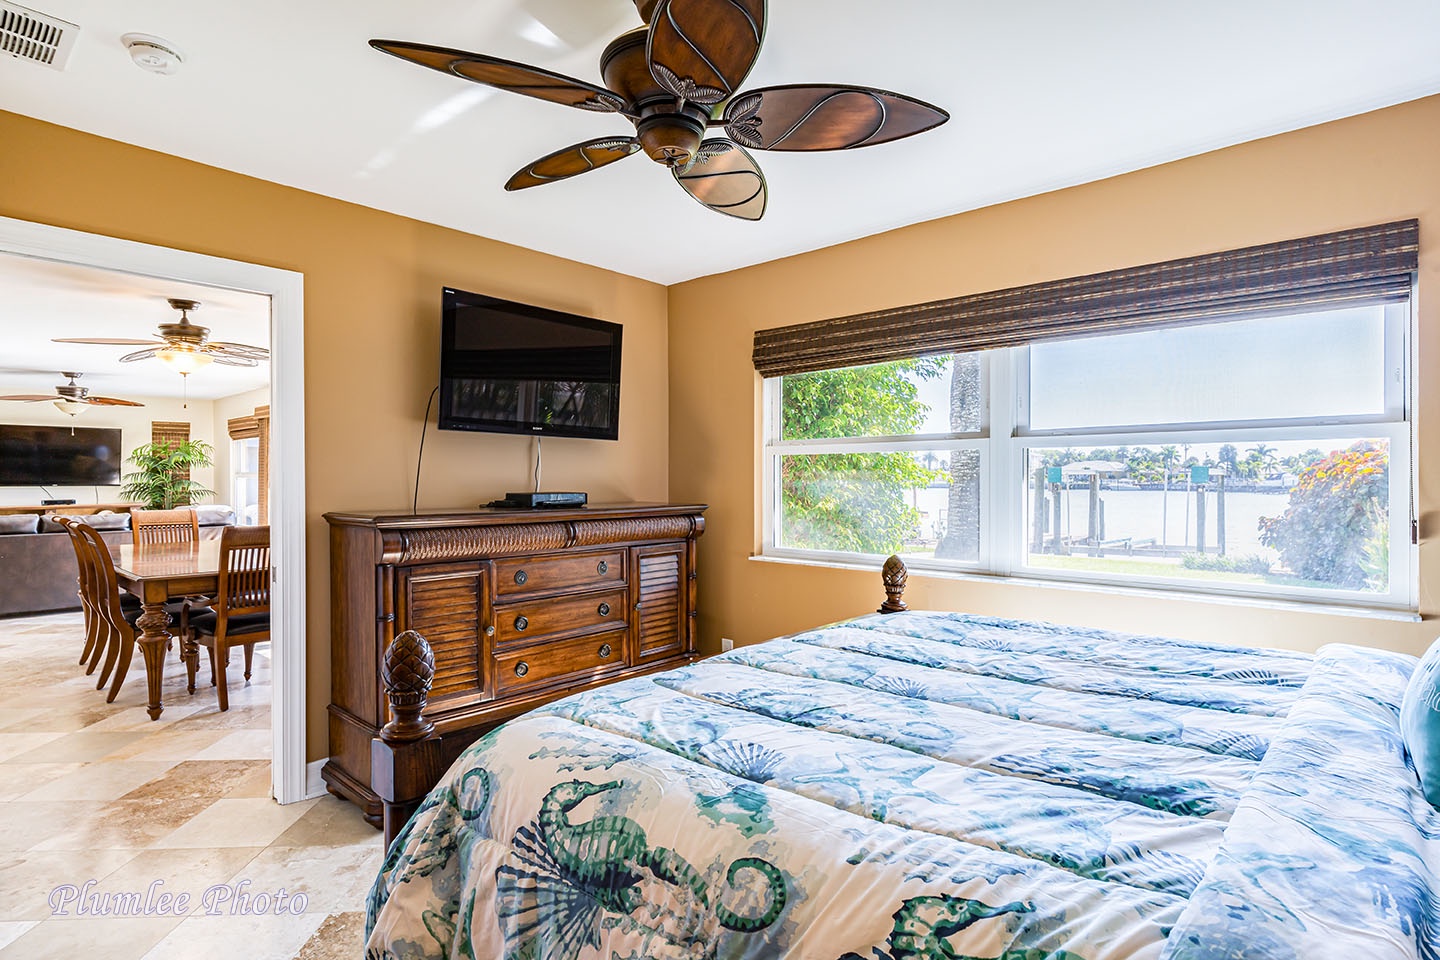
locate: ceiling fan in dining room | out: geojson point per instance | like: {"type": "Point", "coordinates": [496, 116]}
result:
{"type": "Point", "coordinates": [183, 345]}
{"type": "Point", "coordinates": [71, 398]}
{"type": "Point", "coordinates": [675, 79]}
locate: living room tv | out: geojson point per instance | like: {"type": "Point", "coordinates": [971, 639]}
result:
{"type": "Point", "coordinates": [46, 456]}
{"type": "Point", "coordinates": [509, 367]}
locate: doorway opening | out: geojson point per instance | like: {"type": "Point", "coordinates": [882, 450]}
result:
{"type": "Point", "coordinates": [283, 498]}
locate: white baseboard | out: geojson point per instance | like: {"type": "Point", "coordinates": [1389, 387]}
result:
{"type": "Point", "coordinates": [314, 786]}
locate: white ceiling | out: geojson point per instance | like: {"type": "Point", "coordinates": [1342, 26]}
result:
{"type": "Point", "coordinates": [1044, 94]}
{"type": "Point", "coordinates": [41, 299]}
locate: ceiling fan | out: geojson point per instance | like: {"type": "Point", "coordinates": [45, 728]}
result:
{"type": "Point", "coordinates": [676, 78]}
{"type": "Point", "coordinates": [185, 346]}
{"type": "Point", "coordinates": [72, 398]}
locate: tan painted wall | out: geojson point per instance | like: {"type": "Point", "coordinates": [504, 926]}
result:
{"type": "Point", "coordinates": [134, 425]}
{"type": "Point", "coordinates": [1369, 169]}
{"type": "Point", "coordinates": [372, 315]}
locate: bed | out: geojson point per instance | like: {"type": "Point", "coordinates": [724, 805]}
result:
{"type": "Point", "coordinates": [918, 785]}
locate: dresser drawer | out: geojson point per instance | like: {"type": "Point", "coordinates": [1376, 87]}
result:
{"type": "Point", "coordinates": [560, 659]}
{"type": "Point", "coordinates": [522, 621]}
{"type": "Point", "coordinates": [520, 575]}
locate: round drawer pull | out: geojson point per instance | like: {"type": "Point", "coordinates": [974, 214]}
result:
{"type": "Point", "coordinates": [603, 609]}
{"type": "Point", "coordinates": [521, 576]}
{"type": "Point", "coordinates": [605, 651]}
{"type": "Point", "coordinates": [522, 668]}
{"type": "Point", "coordinates": [602, 567]}
{"type": "Point", "coordinates": [521, 623]}
{"type": "Point", "coordinates": [490, 631]}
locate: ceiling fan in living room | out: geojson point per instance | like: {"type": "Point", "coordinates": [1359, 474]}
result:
{"type": "Point", "coordinates": [71, 398]}
{"type": "Point", "coordinates": [184, 346]}
{"type": "Point", "coordinates": [675, 79]}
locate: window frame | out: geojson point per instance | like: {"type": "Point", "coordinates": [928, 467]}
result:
{"type": "Point", "coordinates": [237, 456]}
{"type": "Point", "coordinates": [1005, 439]}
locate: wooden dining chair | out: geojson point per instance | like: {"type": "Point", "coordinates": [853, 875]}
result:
{"type": "Point", "coordinates": [181, 525]}
{"type": "Point", "coordinates": [82, 572]}
{"type": "Point", "coordinates": [91, 583]}
{"type": "Point", "coordinates": [116, 622]}
{"type": "Point", "coordinates": [240, 615]}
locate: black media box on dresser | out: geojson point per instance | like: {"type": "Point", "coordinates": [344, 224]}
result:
{"type": "Point", "coordinates": [520, 607]}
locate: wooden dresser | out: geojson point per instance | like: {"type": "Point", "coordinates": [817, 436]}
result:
{"type": "Point", "coordinates": [520, 607]}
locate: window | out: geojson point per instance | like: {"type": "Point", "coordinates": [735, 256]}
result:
{"type": "Point", "coordinates": [250, 466]}
{"type": "Point", "coordinates": [1264, 454]}
{"type": "Point", "coordinates": [245, 480]}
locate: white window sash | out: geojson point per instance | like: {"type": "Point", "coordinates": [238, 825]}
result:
{"type": "Point", "coordinates": [1003, 440]}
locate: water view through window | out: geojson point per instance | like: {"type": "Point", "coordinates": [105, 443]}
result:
{"type": "Point", "coordinates": [1306, 513]}
{"type": "Point", "coordinates": [1252, 455]}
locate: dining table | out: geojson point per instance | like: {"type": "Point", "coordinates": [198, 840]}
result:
{"type": "Point", "coordinates": [155, 574]}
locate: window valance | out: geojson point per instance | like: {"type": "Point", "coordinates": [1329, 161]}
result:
{"type": "Point", "coordinates": [242, 428]}
{"type": "Point", "coordinates": [1363, 265]}
{"type": "Point", "coordinates": [245, 428]}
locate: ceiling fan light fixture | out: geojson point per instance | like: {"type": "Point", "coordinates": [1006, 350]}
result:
{"type": "Point", "coordinates": [70, 407]}
{"type": "Point", "coordinates": [184, 361]}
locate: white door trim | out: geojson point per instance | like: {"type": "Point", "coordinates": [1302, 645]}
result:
{"type": "Point", "coordinates": [287, 442]}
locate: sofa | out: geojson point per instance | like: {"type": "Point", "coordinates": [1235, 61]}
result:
{"type": "Point", "coordinates": [37, 563]}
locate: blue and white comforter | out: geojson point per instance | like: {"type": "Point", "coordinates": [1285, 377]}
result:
{"type": "Point", "coordinates": [927, 785]}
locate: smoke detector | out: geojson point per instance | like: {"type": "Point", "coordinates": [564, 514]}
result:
{"type": "Point", "coordinates": [153, 53]}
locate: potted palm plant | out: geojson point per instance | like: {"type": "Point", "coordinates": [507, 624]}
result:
{"type": "Point", "coordinates": [161, 479]}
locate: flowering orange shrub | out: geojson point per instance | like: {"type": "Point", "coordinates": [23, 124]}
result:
{"type": "Point", "coordinates": [1332, 513]}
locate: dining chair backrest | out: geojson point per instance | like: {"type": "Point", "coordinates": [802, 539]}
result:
{"type": "Point", "coordinates": [180, 525]}
{"type": "Point", "coordinates": [104, 583]}
{"type": "Point", "coordinates": [85, 583]}
{"type": "Point", "coordinates": [118, 633]}
{"type": "Point", "coordinates": [68, 523]}
{"type": "Point", "coordinates": [244, 572]}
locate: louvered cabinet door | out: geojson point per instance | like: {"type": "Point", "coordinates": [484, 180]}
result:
{"type": "Point", "coordinates": [448, 604]}
{"type": "Point", "coordinates": [659, 601]}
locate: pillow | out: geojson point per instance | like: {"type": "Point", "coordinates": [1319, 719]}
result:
{"type": "Point", "coordinates": [19, 523]}
{"type": "Point", "coordinates": [107, 520]}
{"type": "Point", "coordinates": [215, 515]}
{"type": "Point", "coordinates": [50, 524]}
{"type": "Point", "coordinates": [1420, 722]}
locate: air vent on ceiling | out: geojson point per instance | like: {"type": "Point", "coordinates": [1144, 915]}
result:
{"type": "Point", "coordinates": [29, 35]}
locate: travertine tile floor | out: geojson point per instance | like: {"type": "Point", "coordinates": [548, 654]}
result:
{"type": "Point", "coordinates": [102, 806]}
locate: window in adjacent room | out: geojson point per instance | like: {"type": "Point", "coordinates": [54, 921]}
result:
{"type": "Point", "coordinates": [245, 480]}
{"type": "Point", "coordinates": [250, 467]}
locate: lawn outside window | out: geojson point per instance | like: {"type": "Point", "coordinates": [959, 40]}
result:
{"type": "Point", "coordinates": [1264, 455]}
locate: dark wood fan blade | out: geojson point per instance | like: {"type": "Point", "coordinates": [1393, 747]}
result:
{"type": "Point", "coordinates": [111, 402]}
{"type": "Point", "coordinates": [726, 179]}
{"type": "Point", "coordinates": [508, 75]}
{"type": "Point", "coordinates": [702, 50]}
{"type": "Point", "coordinates": [107, 341]}
{"type": "Point", "coordinates": [31, 397]}
{"type": "Point", "coordinates": [142, 354]}
{"type": "Point", "coordinates": [805, 117]}
{"type": "Point", "coordinates": [573, 161]}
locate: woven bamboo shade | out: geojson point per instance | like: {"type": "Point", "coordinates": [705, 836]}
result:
{"type": "Point", "coordinates": [1365, 265]}
{"type": "Point", "coordinates": [171, 432]}
{"type": "Point", "coordinates": [258, 426]}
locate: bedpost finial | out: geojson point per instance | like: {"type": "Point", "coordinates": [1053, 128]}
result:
{"type": "Point", "coordinates": [893, 575]}
{"type": "Point", "coordinates": [407, 672]}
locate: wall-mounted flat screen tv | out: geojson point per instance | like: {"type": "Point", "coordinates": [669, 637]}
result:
{"type": "Point", "coordinates": [39, 456]}
{"type": "Point", "coordinates": [512, 368]}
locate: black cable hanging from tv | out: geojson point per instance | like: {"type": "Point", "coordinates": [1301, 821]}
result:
{"type": "Point", "coordinates": [420, 458]}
